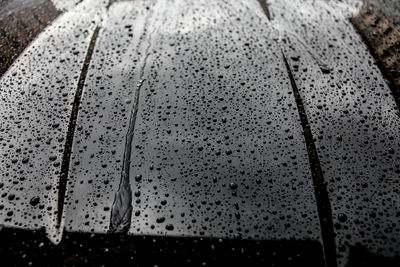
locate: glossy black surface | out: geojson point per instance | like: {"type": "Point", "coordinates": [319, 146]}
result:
{"type": "Point", "coordinates": [216, 147]}
{"type": "Point", "coordinates": [189, 125]}
{"type": "Point", "coordinates": [36, 97]}
{"type": "Point", "coordinates": [354, 120]}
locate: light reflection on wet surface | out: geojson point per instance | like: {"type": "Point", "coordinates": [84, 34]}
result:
{"type": "Point", "coordinates": [188, 124]}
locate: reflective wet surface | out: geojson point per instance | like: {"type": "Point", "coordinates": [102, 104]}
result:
{"type": "Point", "coordinates": [355, 122]}
{"type": "Point", "coordinates": [215, 119]}
{"type": "Point", "coordinates": [208, 142]}
{"type": "Point", "coordinates": [36, 97]}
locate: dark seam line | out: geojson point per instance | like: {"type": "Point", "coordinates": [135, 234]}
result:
{"type": "Point", "coordinates": [321, 193]}
{"type": "Point", "coordinates": [385, 73]}
{"type": "Point", "coordinates": [110, 3]}
{"type": "Point", "coordinates": [71, 127]}
{"type": "Point", "coordinates": [264, 5]}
